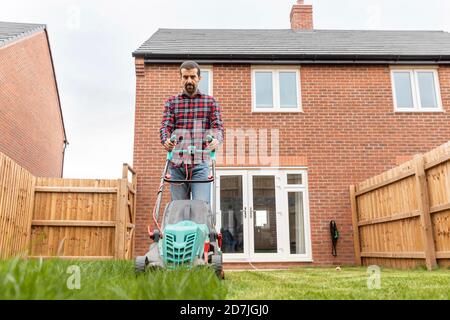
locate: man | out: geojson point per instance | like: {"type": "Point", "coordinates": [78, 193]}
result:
{"type": "Point", "coordinates": [191, 116]}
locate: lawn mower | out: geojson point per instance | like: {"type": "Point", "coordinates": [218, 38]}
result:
{"type": "Point", "coordinates": [187, 235]}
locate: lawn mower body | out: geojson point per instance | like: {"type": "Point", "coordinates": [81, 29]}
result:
{"type": "Point", "coordinates": [187, 236]}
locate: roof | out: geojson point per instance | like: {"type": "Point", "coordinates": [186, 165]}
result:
{"type": "Point", "coordinates": [295, 45]}
{"type": "Point", "coordinates": [12, 31]}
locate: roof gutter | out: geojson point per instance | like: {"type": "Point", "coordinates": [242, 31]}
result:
{"type": "Point", "coordinates": [295, 59]}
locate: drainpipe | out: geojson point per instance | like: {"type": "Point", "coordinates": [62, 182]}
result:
{"type": "Point", "coordinates": [66, 143]}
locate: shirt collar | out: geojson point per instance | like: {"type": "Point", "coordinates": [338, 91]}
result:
{"type": "Point", "coordinates": [197, 94]}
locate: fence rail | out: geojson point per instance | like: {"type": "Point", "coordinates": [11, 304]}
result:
{"type": "Point", "coordinates": [66, 218]}
{"type": "Point", "coordinates": [401, 218]}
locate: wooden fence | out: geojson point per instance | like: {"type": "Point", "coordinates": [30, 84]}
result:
{"type": "Point", "coordinates": [401, 218]}
{"type": "Point", "coordinates": [16, 201]}
{"type": "Point", "coordinates": [66, 218]}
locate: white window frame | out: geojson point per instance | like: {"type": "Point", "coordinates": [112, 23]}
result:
{"type": "Point", "coordinates": [415, 89]}
{"type": "Point", "coordinates": [286, 188]}
{"type": "Point", "coordinates": [210, 82]}
{"type": "Point", "coordinates": [276, 88]}
{"type": "Point", "coordinates": [281, 192]}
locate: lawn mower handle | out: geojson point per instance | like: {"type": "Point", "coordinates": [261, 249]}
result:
{"type": "Point", "coordinates": [212, 153]}
{"type": "Point", "coordinates": [209, 138]}
{"type": "Point", "coordinates": [173, 138]}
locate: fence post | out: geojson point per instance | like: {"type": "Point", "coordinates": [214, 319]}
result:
{"type": "Point", "coordinates": [121, 208]}
{"type": "Point", "coordinates": [424, 208]}
{"type": "Point", "coordinates": [129, 207]}
{"type": "Point", "coordinates": [356, 242]}
{"type": "Point", "coordinates": [132, 238]}
{"type": "Point", "coordinates": [28, 244]}
{"type": "Point", "coordinates": [125, 171]}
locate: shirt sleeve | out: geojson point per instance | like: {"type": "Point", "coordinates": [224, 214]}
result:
{"type": "Point", "coordinates": [216, 121]}
{"type": "Point", "coordinates": [167, 122]}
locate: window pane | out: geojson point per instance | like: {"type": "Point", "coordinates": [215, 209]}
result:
{"type": "Point", "coordinates": [288, 89]}
{"type": "Point", "coordinates": [296, 223]}
{"type": "Point", "coordinates": [231, 206]}
{"type": "Point", "coordinates": [203, 85]}
{"type": "Point", "coordinates": [427, 89]}
{"type": "Point", "coordinates": [403, 90]}
{"type": "Point", "coordinates": [264, 89]}
{"type": "Point", "coordinates": [294, 178]}
{"type": "Point", "coordinates": [264, 214]}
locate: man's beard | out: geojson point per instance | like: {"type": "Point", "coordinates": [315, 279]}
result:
{"type": "Point", "coordinates": [190, 88]}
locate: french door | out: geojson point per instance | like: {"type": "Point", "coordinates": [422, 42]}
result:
{"type": "Point", "coordinates": [259, 218]}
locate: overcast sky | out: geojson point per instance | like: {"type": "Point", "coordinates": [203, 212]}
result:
{"type": "Point", "coordinates": [92, 42]}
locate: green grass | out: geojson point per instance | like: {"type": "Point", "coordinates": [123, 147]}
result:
{"type": "Point", "coordinates": [349, 283]}
{"type": "Point", "coordinates": [49, 279]}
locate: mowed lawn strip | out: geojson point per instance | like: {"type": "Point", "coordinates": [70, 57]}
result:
{"type": "Point", "coordinates": [349, 283]}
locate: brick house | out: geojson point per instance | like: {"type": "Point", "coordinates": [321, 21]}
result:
{"type": "Point", "coordinates": [31, 124]}
{"type": "Point", "coordinates": [336, 107]}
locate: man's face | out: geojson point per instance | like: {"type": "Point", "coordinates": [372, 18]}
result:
{"type": "Point", "coordinates": [190, 80]}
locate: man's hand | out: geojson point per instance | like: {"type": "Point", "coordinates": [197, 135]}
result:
{"type": "Point", "coordinates": [213, 144]}
{"type": "Point", "coordinates": [169, 145]}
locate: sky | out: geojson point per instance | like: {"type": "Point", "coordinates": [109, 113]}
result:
{"type": "Point", "coordinates": [92, 41]}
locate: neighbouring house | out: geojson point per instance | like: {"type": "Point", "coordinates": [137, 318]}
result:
{"type": "Point", "coordinates": [336, 106]}
{"type": "Point", "coordinates": [31, 123]}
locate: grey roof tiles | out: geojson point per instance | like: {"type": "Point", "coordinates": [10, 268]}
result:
{"type": "Point", "coordinates": [287, 43]}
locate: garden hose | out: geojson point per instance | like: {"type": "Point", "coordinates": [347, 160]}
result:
{"type": "Point", "coordinates": [334, 237]}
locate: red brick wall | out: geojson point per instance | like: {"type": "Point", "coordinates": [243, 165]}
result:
{"type": "Point", "coordinates": [347, 132]}
{"type": "Point", "coordinates": [31, 129]}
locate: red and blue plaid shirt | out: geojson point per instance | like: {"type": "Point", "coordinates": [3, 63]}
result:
{"type": "Point", "coordinates": [191, 119]}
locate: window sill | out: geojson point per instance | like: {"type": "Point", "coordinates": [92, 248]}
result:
{"type": "Point", "coordinates": [420, 111]}
{"type": "Point", "coordinates": [278, 111]}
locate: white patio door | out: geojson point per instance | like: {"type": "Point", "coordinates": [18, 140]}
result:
{"type": "Point", "coordinates": [264, 215]}
{"type": "Point", "coordinates": [249, 208]}
{"type": "Point", "coordinates": [232, 218]}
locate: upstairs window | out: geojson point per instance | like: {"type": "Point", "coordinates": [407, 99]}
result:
{"type": "Point", "coordinates": [416, 90]}
{"type": "Point", "coordinates": [205, 85]}
{"type": "Point", "coordinates": [275, 90]}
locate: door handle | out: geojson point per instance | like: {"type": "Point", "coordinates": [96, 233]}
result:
{"type": "Point", "coordinates": [244, 211]}
{"type": "Point", "coordinates": [251, 212]}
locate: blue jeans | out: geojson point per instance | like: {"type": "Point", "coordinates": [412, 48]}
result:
{"type": "Point", "coordinates": [200, 191]}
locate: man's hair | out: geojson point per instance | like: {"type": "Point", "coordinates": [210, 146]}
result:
{"type": "Point", "coordinates": [190, 65]}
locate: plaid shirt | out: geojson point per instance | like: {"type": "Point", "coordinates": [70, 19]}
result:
{"type": "Point", "coordinates": [191, 119]}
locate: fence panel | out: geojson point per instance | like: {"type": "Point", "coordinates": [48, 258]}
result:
{"type": "Point", "coordinates": [401, 218]}
{"type": "Point", "coordinates": [66, 218]}
{"type": "Point", "coordinates": [74, 218]}
{"type": "Point", "coordinates": [16, 199]}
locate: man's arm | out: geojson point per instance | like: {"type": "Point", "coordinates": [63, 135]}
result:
{"type": "Point", "coordinates": [216, 122]}
{"type": "Point", "coordinates": [167, 122]}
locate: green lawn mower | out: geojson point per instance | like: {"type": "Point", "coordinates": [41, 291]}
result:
{"type": "Point", "coordinates": [187, 235]}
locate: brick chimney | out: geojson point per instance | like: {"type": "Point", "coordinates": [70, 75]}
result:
{"type": "Point", "coordinates": [301, 16]}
